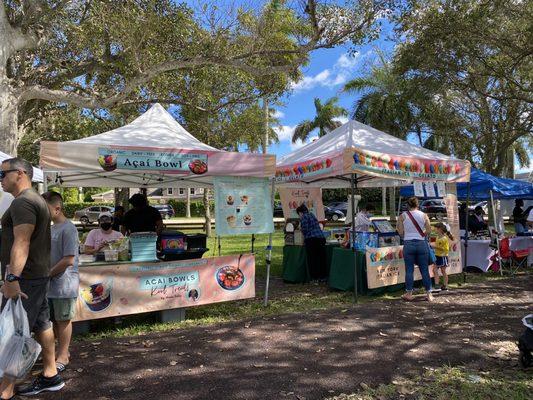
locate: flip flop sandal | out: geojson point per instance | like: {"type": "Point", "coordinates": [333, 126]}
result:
{"type": "Point", "coordinates": [61, 367]}
{"type": "Point", "coordinates": [407, 297]}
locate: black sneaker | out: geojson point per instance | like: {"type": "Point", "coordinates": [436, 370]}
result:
{"type": "Point", "coordinates": [42, 384]}
{"type": "Point", "coordinates": [444, 288]}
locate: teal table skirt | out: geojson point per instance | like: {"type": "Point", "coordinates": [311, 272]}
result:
{"type": "Point", "coordinates": [295, 268]}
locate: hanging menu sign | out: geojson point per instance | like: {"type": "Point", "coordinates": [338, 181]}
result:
{"type": "Point", "coordinates": [243, 206]}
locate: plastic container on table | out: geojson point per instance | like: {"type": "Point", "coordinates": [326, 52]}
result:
{"type": "Point", "coordinates": [111, 255]}
{"type": "Point", "coordinates": [143, 246]}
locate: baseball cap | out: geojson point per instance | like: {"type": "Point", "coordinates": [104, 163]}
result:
{"type": "Point", "coordinates": [105, 214]}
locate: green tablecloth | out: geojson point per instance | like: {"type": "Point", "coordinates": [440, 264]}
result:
{"type": "Point", "coordinates": [295, 263]}
{"type": "Point", "coordinates": [341, 275]}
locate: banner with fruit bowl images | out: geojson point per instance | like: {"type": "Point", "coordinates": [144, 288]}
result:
{"type": "Point", "coordinates": [311, 197]}
{"type": "Point", "coordinates": [405, 168]}
{"type": "Point", "coordinates": [123, 289]}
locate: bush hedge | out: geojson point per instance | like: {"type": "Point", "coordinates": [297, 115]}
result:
{"type": "Point", "coordinates": [197, 208]}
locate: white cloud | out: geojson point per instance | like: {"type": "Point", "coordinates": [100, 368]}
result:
{"type": "Point", "coordinates": [331, 77]}
{"type": "Point", "coordinates": [278, 114]}
{"type": "Point", "coordinates": [347, 62]}
{"type": "Point", "coordinates": [342, 120]}
{"type": "Point", "coordinates": [299, 143]}
{"type": "Point", "coordinates": [310, 82]}
{"type": "Point", "coordinates": [285, 132]}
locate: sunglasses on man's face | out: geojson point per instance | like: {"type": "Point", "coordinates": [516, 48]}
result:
{"type": "Point", "coordinates": [3, 173]}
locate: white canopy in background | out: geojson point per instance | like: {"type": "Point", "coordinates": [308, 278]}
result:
{"type": "Point", "coordinates": [152, 151]}
{"type": "Point", "coordinates": [37, 173]}
{"type": "Point", "coordinates": [6, 198]}
{"type": "Point", "coordinates": [377, 158]}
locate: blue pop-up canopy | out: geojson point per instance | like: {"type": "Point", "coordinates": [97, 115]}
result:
{"type": "Point", "coordinates": [481, 185]}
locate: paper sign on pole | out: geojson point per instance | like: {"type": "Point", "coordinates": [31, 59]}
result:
{"type": "Point", "coordinates": [430, 189]}
{"type": "Point", "coordinates": [441, 189]}
{"type": "Point", "coordinates": [291, 199]}
{"type": "Point", "coordinates": [455, 264]}
{"type": "Point", "coordinates": [356, 199]}
{"type": "Point", "coordinates": [418, 188]}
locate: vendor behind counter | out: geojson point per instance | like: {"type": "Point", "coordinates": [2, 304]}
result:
{"type": "Point", "coordinates": [142, 217]}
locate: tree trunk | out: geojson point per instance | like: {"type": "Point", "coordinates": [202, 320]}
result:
{"type": "Point", "coordinates": [188, 203]}
{"type": "Point", "coordinates": [207, 213]}
{"type": "Point", "coordinates": [122, 196]}
{"type": "Point", "coordinates": [265, 133]}
{"type": "Point", "coordinates": [9, 130]}
{"type": "Point", "coordinates": [392, 201]}
{"type": "Point", "coordinates": [383, 200]}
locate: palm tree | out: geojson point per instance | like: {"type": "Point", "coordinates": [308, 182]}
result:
{"type": "Point", "coordinates": [383, 104]}
{"type": "Point", "coordinates": [324, 119]}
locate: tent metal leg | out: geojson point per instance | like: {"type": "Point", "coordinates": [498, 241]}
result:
{"type": "Point", "coordinates": [466, 230]}
{"type": "Point", "coordinates": [499, 258]}
{"type": "Point", "coordinates": [269, 252]}
{"type": "Point", "coordinates": [353, 185]}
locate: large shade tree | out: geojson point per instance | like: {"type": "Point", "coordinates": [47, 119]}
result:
{"type": "Point", "coordinates": [473, 60]}
{"type": "Point", "coordinates": [96, 54]}
{"type": "Point", "coordinates": [326, 119]}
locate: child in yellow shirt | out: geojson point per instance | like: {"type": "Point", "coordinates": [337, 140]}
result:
{"type": "Point", "coordinates": [442, 249]}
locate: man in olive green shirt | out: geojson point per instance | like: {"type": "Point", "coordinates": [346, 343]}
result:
{"type": "Point", "coordinates": [25, 258]}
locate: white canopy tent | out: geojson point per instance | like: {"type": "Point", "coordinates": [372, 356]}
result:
{"type": "Point", "coordinates": [377, 158]}
{"type": "Point", "coordinates": [37, 173]}
{"type": "Point", "coordinates": [358, 155]}
{"type": "Point", "coordinates": [154, 150]}
{"type": "Point", "coordinates": [6, 198]}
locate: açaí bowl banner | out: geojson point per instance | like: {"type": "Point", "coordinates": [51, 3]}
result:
{"type": "Point", "coordinates": [108, 291]}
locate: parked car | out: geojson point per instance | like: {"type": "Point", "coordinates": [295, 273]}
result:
{"type": "Point", "coordinates": [334, 204]}
{"type": "Point", "coordinates": [342, 207]}
{"type": "Point", "coordinates": [165, 210]}
{"type": "Point", "coordinates": [483, 204]}
{"type": "Point", "coordinates": [435, 208]}
{"type": "Point", "coordinates": [90, 214]}
{"type": "Point", "coordinates": [333, 215]}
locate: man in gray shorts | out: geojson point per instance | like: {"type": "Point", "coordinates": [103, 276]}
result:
{"type": "Point", "coordinates": [25, 258]}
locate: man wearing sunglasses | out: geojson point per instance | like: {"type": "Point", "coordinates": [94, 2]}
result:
{"type": "Point", "coordinates": [25, 258]}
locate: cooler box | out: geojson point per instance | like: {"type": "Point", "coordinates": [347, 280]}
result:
{"type": "Point", "coordinates": [143, 246]}
{"type": "Point", "coordinates": [197, 241]}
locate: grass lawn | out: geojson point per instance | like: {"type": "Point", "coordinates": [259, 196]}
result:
{"type": "Point", "coordinates": [452, 383]}
{"type": "Point", "coordinates": [298, 298]}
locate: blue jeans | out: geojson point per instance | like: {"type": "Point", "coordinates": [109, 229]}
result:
{"type": "Point", "coordinates": [416, 252]}
{"type": "Point", "coordinates": [519, 228]}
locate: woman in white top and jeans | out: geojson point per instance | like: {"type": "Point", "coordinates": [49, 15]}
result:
{"type": "Point", "coordinates": [415, 247]}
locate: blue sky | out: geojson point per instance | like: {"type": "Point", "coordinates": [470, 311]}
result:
{"type": "Point", "coordinates": [324, 77]}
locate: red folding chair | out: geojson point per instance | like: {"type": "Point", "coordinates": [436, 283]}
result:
{"type": "Point", "coordinates": [514, 259]}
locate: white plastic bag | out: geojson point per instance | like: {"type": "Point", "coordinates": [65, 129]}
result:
{"type": "Point", "coordinates": [18, 350]}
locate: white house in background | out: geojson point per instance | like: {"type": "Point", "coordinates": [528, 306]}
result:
{"type": "Point", "coordinates": [154, 195]}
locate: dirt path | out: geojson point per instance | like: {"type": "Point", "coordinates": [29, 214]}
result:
{"type": "Point", "coordinates": [312, 355]}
